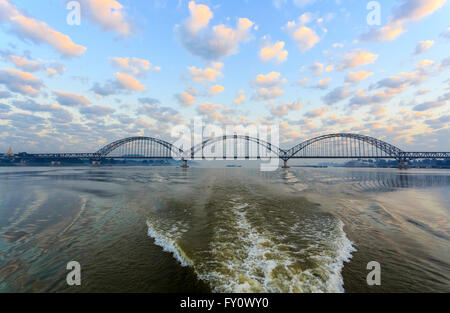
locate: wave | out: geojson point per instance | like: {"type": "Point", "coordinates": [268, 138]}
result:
{"type": "Point", "coordinates": [168, 240]}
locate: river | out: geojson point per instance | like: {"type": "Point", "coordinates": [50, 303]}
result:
{"type": "Point", "coordinates": [168, 229]}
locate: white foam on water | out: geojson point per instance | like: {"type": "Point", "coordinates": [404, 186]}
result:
{"type": "Point", "coordinates": [84, 201]}
{"type": "Point", "coordinates": [334, 265]}
{"type": "Point", "coordinates": [244, 259]}
{"type": "Point", "coordinates": [259, 261]}
{"type": "Point", "coordinates": [168, 240]}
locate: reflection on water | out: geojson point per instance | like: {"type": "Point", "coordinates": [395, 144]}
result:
{"type": "Point", "coordinates": [224, 230]}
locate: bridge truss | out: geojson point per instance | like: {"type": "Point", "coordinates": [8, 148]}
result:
{"type": "Point", "coordinates": [330, 146]}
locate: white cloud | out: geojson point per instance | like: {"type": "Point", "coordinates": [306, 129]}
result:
{"type": "Point", "coordinates": [323, 83]}
{"type": "Point", "coordinates": [216, 89]}
{"type": "Point", "coordinates": [355, 58]}
{"type": "Point", "coordinates": [21, 82]}
{"type": "Point", "coordinates": [240, 97]}
{"type": "Point", "coordinates": [357, 77]}
{"type": "Point", "coordinates": [128, 82]}
{"type": "Point", "coordinates": [305, 37]}
{"type": "Point", "coordinates": [133, 65]}
{"type": "Point", "coordinates": [423, 46]}
{"type": "Point", "coordinates": [316, 68]}
{"type": "Point", "coordinates": [274, 52]}
{"type": "Point", "coordinates": [71, 99]}
{"type": "Point", "coordinates": [269, 80]}
{"type": "Point", "coordinates": [211, 43]}
{"type": "Point", "coordinates": [209, 74]}
{"type": "Point", "coordinates": [36, 31]}
{"type": "Point", "coordinates": [108, 14]}
{"type": "Point", "coordinates": [409, 11]}
{"type": "Point", "coordinates": [185, 98]}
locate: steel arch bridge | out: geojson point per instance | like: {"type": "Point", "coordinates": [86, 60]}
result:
{"type": "Point", "coordinates": [140, 147]}
{"type": "Point", "coordinates": [339, 145]}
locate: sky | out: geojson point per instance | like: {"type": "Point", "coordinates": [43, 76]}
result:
{"type": "Point", "coordinates": [74, 82]}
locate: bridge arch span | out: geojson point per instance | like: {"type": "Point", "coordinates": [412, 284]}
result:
{"type": "Point", "coordinates": [252, 148]}
{"type": "Point", "coordinates": [144, 147]}
{"type": "Point", "coordinates": [345, 145]}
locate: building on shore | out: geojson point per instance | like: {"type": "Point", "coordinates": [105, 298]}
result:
{"type": "Point", "coordinates": [10, 153]}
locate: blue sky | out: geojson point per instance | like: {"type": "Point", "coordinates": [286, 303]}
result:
{"type": "Point", "coordinates": [143, 67]}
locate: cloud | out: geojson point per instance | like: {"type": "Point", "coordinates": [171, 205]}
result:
{"type": "Point", "coordinates": [31, 105]}
{"type": "Point", "coordinates": [400, 81]}
{"type": "Point", "coordinates": [185, 99]}
{"type": "Point", "coordinates": [161, 114]}
{"type": "Point", "coordinates": [336, 95]}
{"type": "Point", "coordinates": [25, 64]}
{"type": "Point", "coordinates": [55, 69]}
{"type": "Point", "coordinates": [441, 101]}
{"type": "Point", "coordinates": [444, 63]}
{"type": "Point", "coordinates": [38, 32]}
{"type": "Point", "coordinates": [109, 88]}
{"type": "Point", "coordinates": [128, 82]}
{"type": "Point", "coordinates": [209, 74]}
{"type": "Point", "coordinates": [4, 108]}
{"type": "Point", "coordinates": [240, 97]}
{"type": "Point", "coordinates": [316, 113]}
{"type": "Point", "coordinates": [422, 91]}
{"type": "Point", "coordinates": [20, 82]}
{"type": "Point", "coordinates": [357, 77]}
{"type": "Point", "coordinates": [147, 100]}
{"type": "Point", "coordinates": [269, 86]}
{"type": "Point", "coordinates": [132, 65]}
{"type": "Point", "coordinates": [5, 94]}
{"type": "Point", "coordinates": [423, 46]}
{"type": "Point", "coordinates": [96, 111]}
{"type": "Point", "coordinates": [439, 122]}
{"type": "Point", "coordinates": [209, 109]}
{"type": "Point", "coordinates": [355, 58]}
{"type": "Point", "coordinates": [408, 11]}
{"type": "Point", "coordinates": [108, 14]}
{"type": "Point", "coordinates": [333, 120]}
{"type": "Point", "coordinates": [283, 109]}
{"type": "Point", "coordinates": [323, 83]}
{"type": "Point", "coordinates": [71, 99]}
{"type": "Point", "coordinates": [274, 52]}
{"type": "Point", "coordinates": [216, 89]}
{"type": "Point", "coordinates": [211, 43]}
{"type": "Point", "coordinates": [302, 82]}
{"type": "Point", "coordinates": [263, 93]}
{"type": "Point", "coordinates": [316, 68]}
{"type": "Point", "coordinates": [362, 98]}
{"type": "Point", "coordinates": [305, 37]}
{"type": "Point", "coordinates": [269, 80]}
{"type": "Point", "coordinates": [52, 68]}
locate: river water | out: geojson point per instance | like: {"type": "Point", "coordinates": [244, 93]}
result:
{"type": "Point", "coordinates": [167, 229]}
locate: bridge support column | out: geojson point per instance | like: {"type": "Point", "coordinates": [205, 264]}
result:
{"type": "Point", "coordinates": [402, 164]}
{"type": "Point", "coordinates": [184, 164]}
{"type": "Point", "coordinates": [285, 164]}
{"type": "Point", "coordinates": [96, 163]}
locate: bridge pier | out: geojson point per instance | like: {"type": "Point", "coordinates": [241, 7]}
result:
{"type": "Point", "coordinates": [96, 163]}
{"type": "Point", "coordinates": [184, 164]}
{"type": "Point", "coordinates": [402, 164]}
{"type": "Point", "coordinates": [285, 164]}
